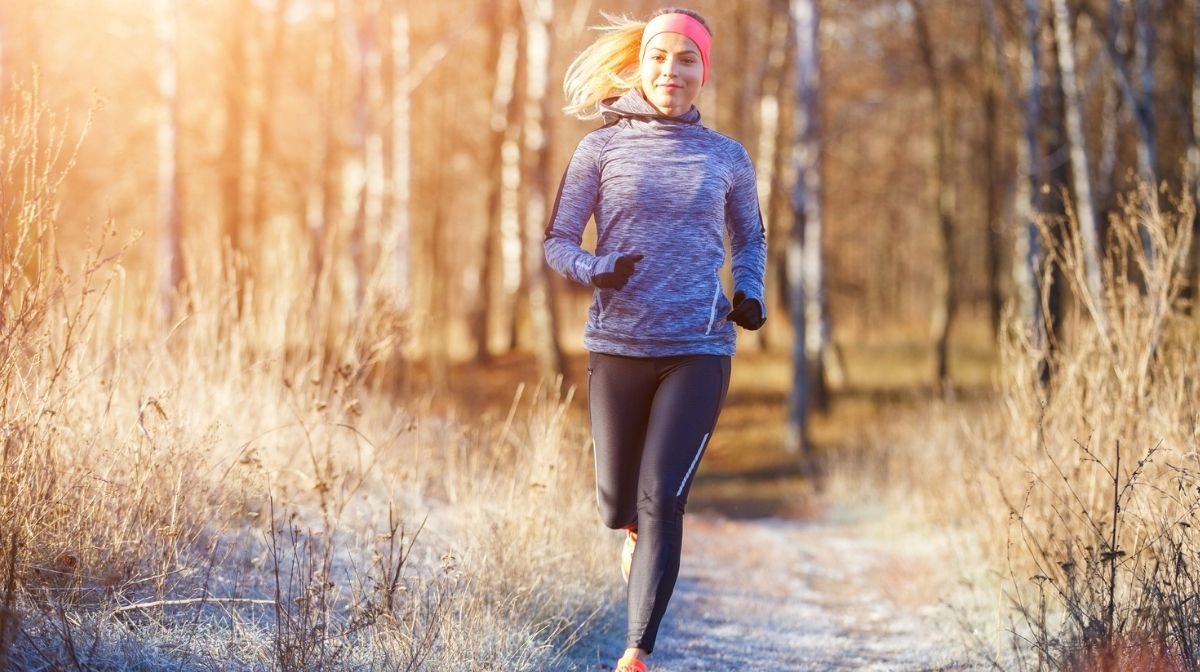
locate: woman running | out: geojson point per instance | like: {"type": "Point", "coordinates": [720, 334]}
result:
{"type": "Point", "coordinates": [664, 190]}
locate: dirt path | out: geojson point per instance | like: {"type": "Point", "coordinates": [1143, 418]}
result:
{"type": "Point", "coordinates": [776, 595]}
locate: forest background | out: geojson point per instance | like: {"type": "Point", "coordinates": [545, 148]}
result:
{"type": "Point", "coordinates": [278, 234]}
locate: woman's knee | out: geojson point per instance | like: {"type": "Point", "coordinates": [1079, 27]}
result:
{"type": "Point", "coordinates": [616, 517]}
{"type": "Point", "coordinates": [665, 507]}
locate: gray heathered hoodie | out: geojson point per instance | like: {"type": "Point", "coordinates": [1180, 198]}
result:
{"type": "Point", "coordinates": [667, 188]}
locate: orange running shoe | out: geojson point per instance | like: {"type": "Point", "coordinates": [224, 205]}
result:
{"type": "Point", "coordinates": [630, 664]}
{"type": "Point", "coordinates": [627, 553]}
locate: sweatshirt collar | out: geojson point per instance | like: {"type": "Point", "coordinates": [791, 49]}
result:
{"type": "Point", "coordinates": [632, 105]}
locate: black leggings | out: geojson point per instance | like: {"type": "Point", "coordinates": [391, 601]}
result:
{"type": "Point", "coordinates": [652, 417]}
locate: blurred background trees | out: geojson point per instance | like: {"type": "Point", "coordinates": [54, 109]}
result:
{"type": "Point", "coordinates": [350, 149]}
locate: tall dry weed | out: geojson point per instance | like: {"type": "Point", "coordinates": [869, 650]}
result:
{"type": "Point", "coordinates": [239, 488]}
{"type": "Point", "coordinates": [1100, 474]}
{"type": "Point", "coordinates": [1078, 490]}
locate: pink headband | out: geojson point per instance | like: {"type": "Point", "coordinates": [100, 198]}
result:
{"type": "Point", "coordinates": [684, 25]}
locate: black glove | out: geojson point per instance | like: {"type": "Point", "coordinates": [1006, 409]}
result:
{"type": "Point", "coordinates": [620, 273]}
{"type": "Point", "coordinates": [746, 313]}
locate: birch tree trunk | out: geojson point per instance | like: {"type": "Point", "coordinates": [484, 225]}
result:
{"type": "Point", "coordinates": [1194, 148]}
{"type": "Point", "coordinates": [435, 262]}
{"type": "Point", "coordinates": [1145, 45]}
{"type": "Point", "coordinates": [326, 212]}
{"type": "Point", "coordinates": [993, 181]}
{"type": "Point", "coordinates": [768, 166]}
{"type": "Point", "coordinates": [401, 153]}
{"type": "Point", "coordinates": [3, 56]}
{"type": "Point", "coordinates": [353, 168]}
{"type": "Point", "coordinates": [753, 71]}
{"type": "Point", "coordinates": [1028, 253]}
{"type": "Point", "coordinates": [945, 308]}
{"type": "Point", "coordinates": [539, 15]}
{"type": "Point", "coordinates": [363, 174]}
{"type": "Point", "coordinates": [780, 208]}
{"type": "Point", "coordinates": [511, 244]}
{"type": "Point", "coordinates": [504, 128]}
{"type": "Point", "coordinates": [267, 114]}
{"type": "Point", "coordinates": [1053, 147]}
{"type": "Point", "coordinates": [170, 241]}
{"type": "Point", "coordinates": [233, 153]}
{"type": "Point", "coordinates": [806, 289]}
{"type": "Point", "coordinates": [1145, 48]}
{"type": "Point", "coordinates": [1110, 126]}
{"type": "Point", "coordinates": [1015, 204]}
{"type": "Point", "coordinates": [1106, 164]}
{"type": "Point", "coordinates": [1138, 87]}
{"type": "Point", "coordinates": [1085, 214]}
{"type": "Point", "coordinates": [753, 47]}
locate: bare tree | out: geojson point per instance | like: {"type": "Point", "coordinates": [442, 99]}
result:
{"type": "Point", "coordinates": [946, 301]}
{"type": "Point", "coordinates": [233, 154]}
{"type": "Point", "coordinates": [539, 16]}
{"type": "Point", "coordinates": [364, 170]}
{"type": "Point", "coordinates": [268, 115]}
{"type": "Point", "coordinates": [1110, 122]}
{"type": "Point", "coordinates": [1054, 147]}
{"type": "Point", "coordinates": [1136, 82]}
{"type": "Point", "coordinates": [1145, 47]}
{"type": "Point", "coordinates": [1106, 162]}
{"type": "Point", "coordinates": [401, 150]}
{"type": "Point", "coordinates": [753, 48]}
{"type": "Point", "coordinates": [993, 183]}
{"type": "Point", "coordinates": [806, 290]}
{"type": "Point", "coordinates": [170, 240]}
{"type": "Point", "coordinates": [505, 132]}
{"type": "Point", "coordinates": [323, 214]}
{"type": "Point", "coordinates": [1085, 214]}
{"type": "Point", "coordinates": [1028, 249]}
{"type": "Point", "coordinates": [511, 243]}
{"type": "Point", "coordinates": [3, 55]}
{"type": "Point", "coordinates": [1026, 191]}
{"type": "Point", "coordinates": [769, 163]}
{"type": "Point", "coordinates": [754, 63]}
{"type": "Point", "coordinates": [1194, 148]}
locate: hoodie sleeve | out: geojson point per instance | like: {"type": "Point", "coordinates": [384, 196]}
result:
{"type": "Point", "coordinates": [577, 194]}
{"type": "Point", "coordinates": [747, 237]}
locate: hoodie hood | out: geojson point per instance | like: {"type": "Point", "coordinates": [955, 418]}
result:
{"type": "Point", "coordinates": [632, 105]}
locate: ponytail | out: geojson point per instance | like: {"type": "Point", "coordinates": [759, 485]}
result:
{"type": "Point", "coordinates": [607, 68]}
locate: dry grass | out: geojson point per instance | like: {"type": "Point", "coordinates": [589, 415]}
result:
{"type": "Point", "coordinates": [238, 491]}
{"type": "Point", "coordinates": [1083, 492]}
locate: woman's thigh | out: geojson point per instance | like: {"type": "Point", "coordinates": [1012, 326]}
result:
{"type": "Point", "coordinates": [683, 414]}
{"type": "Point", "coordinates": [620, 395]}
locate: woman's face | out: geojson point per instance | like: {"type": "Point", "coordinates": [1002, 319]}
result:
{"type": "Point", "coordinates": [672, 73]}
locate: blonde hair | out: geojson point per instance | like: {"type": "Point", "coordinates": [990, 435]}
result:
{"type": "Point", "coordinates": [608, 67]}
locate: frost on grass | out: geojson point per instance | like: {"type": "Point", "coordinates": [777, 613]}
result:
{"type": "Point", "coordinates": [239, 489]}
{"type": "Point", "coordinates": [1080, 474]}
